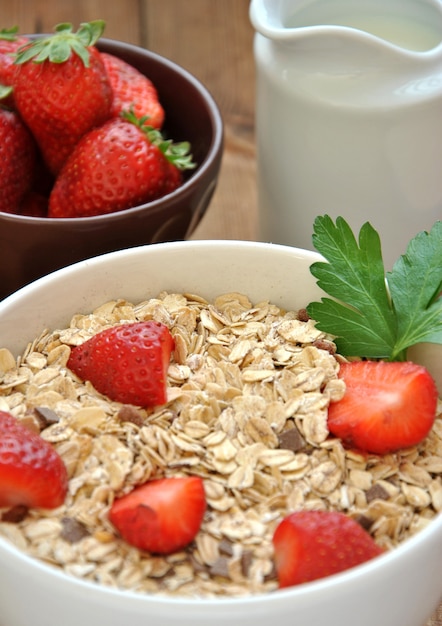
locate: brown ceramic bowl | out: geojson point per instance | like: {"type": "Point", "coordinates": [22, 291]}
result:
{"type": "Point", "coordinates": [31, 247]}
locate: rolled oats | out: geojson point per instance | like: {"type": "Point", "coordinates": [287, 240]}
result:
{"type": "Point", "coordinates": [248, 390]}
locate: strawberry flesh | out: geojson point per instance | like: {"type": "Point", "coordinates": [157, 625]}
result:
{"type": "Point", "coordinates": [128, 363]}
{"type": "Point", "coordinates": [309, 545]}
{"type": "Point", "coordinates": [31, 471]}
{"type": "Point", "coordinates": [161, 516]}
{"type": "Point", "coordinates": [387, 406]}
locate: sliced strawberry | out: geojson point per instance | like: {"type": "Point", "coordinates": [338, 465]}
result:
{"type": "Point", "coordinates": [161, 516]}
{"type": "Point", "coordinates": [128, 363]}
{"type": "Point", "coordinates": [314, 544]}
{"type": "Point", "coordinates": [31, 471]}
{"type": "Point", "coordinates": [386, 406]}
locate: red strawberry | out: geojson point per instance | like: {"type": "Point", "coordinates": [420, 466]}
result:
{"type": "Point", "coordinates": [31, 471]}
{"type": "Point", "coordinates": [387, 405]}
{"type": "Point", "coordinates": [10, 42]}
{"type": "Point", "coordinates": [314, 544]}
{"type": "Point", "coordinates": [117, 166]}
{"type": "Point", "coordinates": [17, 160]}
{"type": "Point", "coordinates": [61, 89]}
{"type": "Point", "coordinates": [128, 362]}
{"type": "Point", "coordinates": [162, 516]}
{"type": "Point", "coordinates": [132, 91]}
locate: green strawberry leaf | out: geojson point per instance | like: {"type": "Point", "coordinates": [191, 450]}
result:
{"type": "Point", "coordinates": [5, 91]}
{"type": "Point", "coordinates": [372, 314]}
{"type": "Point", "coordinates": [9, 34]}
{"type": "Point", "coordinates": [58, 51]}
{"type": "Point", "coordinates": [57, 48]}
{"type": "Point", "coordinates": [176, 153]}
{"type": "Point", "coordinates": [90, 32]}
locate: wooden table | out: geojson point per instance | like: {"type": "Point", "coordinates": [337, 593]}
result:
{"type": "Point", "coordinates": [213, 39]}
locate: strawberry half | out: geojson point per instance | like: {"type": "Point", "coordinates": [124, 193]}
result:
{"type": "Point", "coordinates": [162, 516]}
{"type": "Point", "coordinates": [309, 545]}
{"type": "Point", "coordinates": [31, 471]}
{"type": "Point", "coordinates": [387, 405]}
{"type": "Point", "coordinates": [128, 363]}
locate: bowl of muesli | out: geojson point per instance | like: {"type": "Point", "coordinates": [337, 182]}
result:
{"type": "Point", "coordinates": [249, 384]}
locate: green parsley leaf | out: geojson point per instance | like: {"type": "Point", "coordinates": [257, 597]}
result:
{"type": "Point", "coordinates": [370, 314]}
{"type": "Point", "coordinates": [416, 284]}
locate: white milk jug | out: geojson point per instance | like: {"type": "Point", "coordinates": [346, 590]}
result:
{"type": "Point", "coordinates": [349, 116]}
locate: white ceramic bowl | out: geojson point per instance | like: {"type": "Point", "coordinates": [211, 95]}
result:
{"type": "Point", "coordinates": [400, 588]}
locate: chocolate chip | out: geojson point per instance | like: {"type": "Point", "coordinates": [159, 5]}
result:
{"type": "Point", "coordinates": [220, 567]}
{"type": "Point", "coordinates": [73, 530]}
{"type": "Point", "coordinates": [246, 562]}
{"type": "Point", "coordinates": [46, 416]}
{"type": "Point", "coordinates": [291, 439]}
{"type": "Point", "coordinates": [364, 521]}
{"type": "Point", "coordinates": [323, 344]}
{"type": "Point", "coordinates": [15, 514]}
{"type": "Point", "coordinates": [129, 413]}
{"type": "Point", "coordinates": [302, 315]}
{"type": "Point", "coordinates": [225, 547]}
{"type": "Point", "coordinates": [377, 492]}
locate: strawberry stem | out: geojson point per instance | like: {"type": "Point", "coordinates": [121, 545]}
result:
{"type": "Point", "coordinates": [57, 48]}
{"type": "Point", "coordinates": [176, 153]}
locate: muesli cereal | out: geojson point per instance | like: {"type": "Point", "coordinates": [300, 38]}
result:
{"type": "Point", "coordinates": [248, 390]}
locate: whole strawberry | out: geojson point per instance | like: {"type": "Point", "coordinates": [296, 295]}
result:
{"type": "Point", "coordinates": [128, 362]}
{"type": "Point", "coordinates": [309, 545]}
{"type": "Point", "coordinates": [61, 89]}
{"type": "Point", "coordinates": [10, 42]}
{"type": "Point", "coordinates": [17, 160]}
{"type": "Point", "coordinates": [119, 165]}
{"type": "Point", "coordinates": [132, 91]}
{"type": "Point", "coordinates": [31, 471]}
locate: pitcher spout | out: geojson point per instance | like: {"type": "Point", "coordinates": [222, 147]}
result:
{"type": "Point", "coordinates": [409, 26]}
{"type": "Point", "coordinates": [374, 52]}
